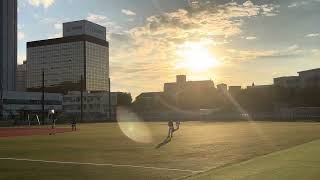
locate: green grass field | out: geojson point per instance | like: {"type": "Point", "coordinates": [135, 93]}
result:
{"type": "Point", "coordinates": [300, 162]}
{"type": "Point", "coordinates": [197, 146]}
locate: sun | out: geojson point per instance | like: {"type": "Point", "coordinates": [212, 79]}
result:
{"type": "Point", "coordinates": [196, 57]}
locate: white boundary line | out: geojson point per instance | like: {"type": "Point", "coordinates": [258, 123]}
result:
{"type": "Point", "coordinates": [104, 164]}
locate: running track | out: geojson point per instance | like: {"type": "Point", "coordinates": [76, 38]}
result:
{"type": "Point", "coordinates": [15, 132]}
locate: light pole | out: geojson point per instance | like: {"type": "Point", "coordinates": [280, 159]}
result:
{"type": "Point", "coordinates": [81, 98]}
{"type": "Point", "coordinates": [42, 99]}
{"type": "Point", "coordinates": [110, 99]}
{"type": "Point", "coordinates": [1, 100]}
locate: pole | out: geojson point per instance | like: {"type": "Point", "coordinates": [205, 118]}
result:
{"type": "Point", "coordinates": [42, 100]}
{"type": "Point", "coordinates": [1, 101]}
{"type": "Point", "coordinates": [81, 98]}
{"type": "Point", "coordinates": [110, 107]}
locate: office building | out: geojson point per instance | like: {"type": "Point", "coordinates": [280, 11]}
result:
{"type": "Point", "coordinates": [21, 77]}
{"type": "Point", "coordinates": [287, 82]}
{"type": "Point", "coordinates": [310, 78]}
{"type": "Point", "coordinates": [82, 51]}
{"type": "Point", "coordinates": [306, 79]}
{"type": "Point", "coordinates": [181, 85]}
{"type": "Point", "coordinates": [15, 103]}
{"type": "Point", "coordinates": [8, 44]}
{"type": "Point", "coordinates": [95, 105]}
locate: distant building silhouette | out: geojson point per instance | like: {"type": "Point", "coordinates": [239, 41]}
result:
{"type": "Point", "coordinates": [306, 79]}
{"type": "Point", "coordinates": [234, 90]}
{"type": "Point", "coordinates": [287, 82]}
{"type": "Point", "coordinates": [310, 78]}
{"type": "Point", "coordinates": [222, 87]}
{"type": "Point", "coordinates": [181, 94]}
{"type": "Point", "coordinates": [83, 51]}
{"type": "Point", "coordinates": [181, 84]}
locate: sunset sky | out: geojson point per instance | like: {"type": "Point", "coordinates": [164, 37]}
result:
{"type": "Point", "coordinates": [235, 42]}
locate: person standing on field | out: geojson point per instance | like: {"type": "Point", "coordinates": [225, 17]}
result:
{"type": "Point", "coordinates": [171, 129]}
{"type": "Point", "coordinates": [74, 124]}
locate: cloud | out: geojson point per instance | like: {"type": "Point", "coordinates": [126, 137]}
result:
{"type": "Point", "coordinates": [128, 12]}
{"type": "Point", "coordinates": [195, 4]}
{"type": "Point", "coordinates": [301, 3]}
{"type": "Point", "coordinates": [251, 38]}
{"type": "Point", "coordinates": [21, 35]}
{"type": "Point", "coordinates": [58, 26]}
{"type": "Point", "coordinates": [150, 50]}
{"type": "Point", "coordinates": [104, 21]}
{"type": "Point", "coordinates": [239, 55]}
{"type": "Point", "coordinates": [313, 35]}
{"type": "Point", "coordinates": [44, 3]}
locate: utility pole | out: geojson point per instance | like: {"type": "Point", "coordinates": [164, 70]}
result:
{"type": "Point", "coordinates": [42, 99]}
{"type": "Point", "coordinates": [81, 98]}
{"type": "Point", "coordinates": [110, 107]}
{"type": "Point", "coordinates": [1, 100]}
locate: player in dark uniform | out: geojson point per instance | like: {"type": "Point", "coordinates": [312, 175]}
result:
{"type": "Point", "coordinates": [171, 129]}
{"type": "Point", "coordinates": [74, 124]}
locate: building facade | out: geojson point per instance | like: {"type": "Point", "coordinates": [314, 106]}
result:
{"type": "Point", "coordinates": [16, 102]}
{"type": "Point", "coordinates": [181, 84]}
{"type": "Point", "coordinates": [65, 60]}
{"type": "Point", "coordinates": [8, 44]}
{"type": "Point", "coordinates": [310, 78]}
{"type": "Point", "coordinates": [306, 79]}
{"type": "Point", "coordinates": [21, 77]}
{"type": "Point", "coordinates": [95, 105]}
{"type": "Point", "coordinates": [234, 90]}
{"type": "Point", "coordinates": [287, 82]}
{"type": "Point", "coordinates": [83, 27]}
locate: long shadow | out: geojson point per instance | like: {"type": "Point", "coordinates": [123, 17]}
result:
{"type": "Point", "coordinates": [165, 141]}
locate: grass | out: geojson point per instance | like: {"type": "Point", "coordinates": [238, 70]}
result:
{"type": "Point", "coordinates": [301, 162]}
{"type": "Point", "coordinates": [196, 146]}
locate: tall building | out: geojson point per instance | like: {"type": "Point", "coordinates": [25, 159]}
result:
{"type": "Point", "coordinates": [8, 44]}
{"type": "Point", "coordinates": [82, 51]}
{"type": "Point", "coordinates": [21, 77]}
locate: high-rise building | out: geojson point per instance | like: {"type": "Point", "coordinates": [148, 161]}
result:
{"type": "Point", "coordinates": [8, 44]}
{"type": "Point", "coordinates": [82, 51]}
{"type": "Point", "coordinates": [21, 77]}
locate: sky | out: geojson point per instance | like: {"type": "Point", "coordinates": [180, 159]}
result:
{"type": "Point", "coordinates": [236, 42]}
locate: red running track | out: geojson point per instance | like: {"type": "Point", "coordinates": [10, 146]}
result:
{"type": "Point", "coordinates": [15, 132]}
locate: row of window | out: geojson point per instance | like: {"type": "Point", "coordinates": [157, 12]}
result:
{"type": "Point", "coordinates": [30, 102]}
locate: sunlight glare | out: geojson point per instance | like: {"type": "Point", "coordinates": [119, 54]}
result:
{"type": "Point", "coordinates": [196, 57]}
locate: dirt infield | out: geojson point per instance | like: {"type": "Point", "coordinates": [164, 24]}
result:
{"type": "Point", "coordinates": [15, 132]}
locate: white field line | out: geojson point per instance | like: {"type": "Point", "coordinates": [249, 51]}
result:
{"type": "Point", "coordinates": [103, 164]}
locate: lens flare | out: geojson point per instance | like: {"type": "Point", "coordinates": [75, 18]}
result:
{"type": "Point", "coordinates": [133, 127]}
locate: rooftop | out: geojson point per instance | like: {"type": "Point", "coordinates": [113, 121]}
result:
{"type": "Point", "coordinates": [311, 70]}
{"type": "Point", "coordinates": [68, 39]}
